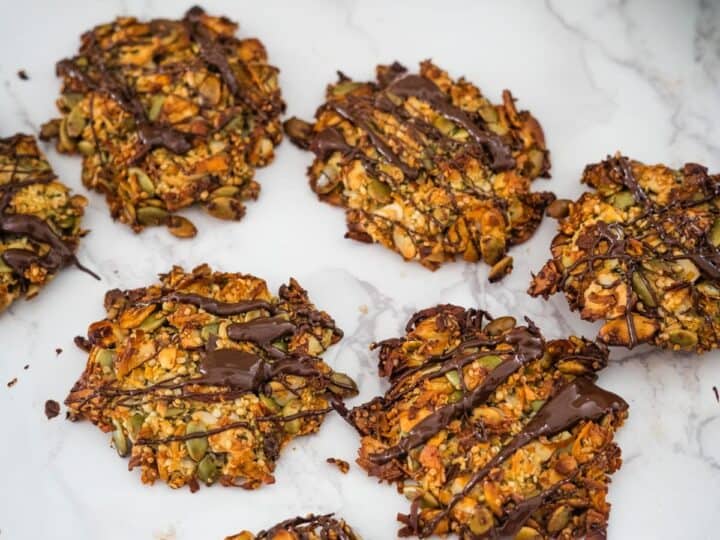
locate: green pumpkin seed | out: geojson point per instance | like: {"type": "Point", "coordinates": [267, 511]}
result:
{"type": "Point", "coordinates": [536, 404]}
{"type": "Point", "coordinates": [528, 533]}
{"type": "Point", "coordinates": [623, 200]}
{"type": "Point", "coordinates": [135, 424]}
{"type": "Point", "coordinates": [499, 326]}
{"type": "Point", "coordinates": [379, 191]}
{"type": "Point", "coordinates": [156, 105]}
{"type": "Point", "coordinates": [150, 216]}
{"type": "Point", "coordinates": [345, 87]}
{"type": "Point", "coordinates": [714, 234]}
{"type": "Point", "coordinates": [71, 99]}
{"type": "Point", "coordinates": [208, 470]}
{"type": "Point", "coordinates": [490, 362]}
{"type": "Point", "coordinates": [209, 330]}
{"type": "Point", "coordinates": [120, 441]}
{"type": "Point", "coordinates": [172, 412]}
{"type": "Point", "coordinates": [454, 378]}
{"type": "Point", "coordinates": [86, 148]}
{"type": "Point", "coordinates": [236, 124]}
{"type": "Point", "coordinates": [75, 122]}
{"type": "Point", "coordinates": [143, 180]}
{"type": "Point", "coordinates": [106, 360]}
{"type": "Point", "coordinates": [642, 289]}
{"type": "Point", "coordinates": [489, 114]}
{"type": "Point", "coordinates": [683, 338]}
{"type": "Point", "coordinates": [492, 248]}
{"type": "Point", "coordinates": [456, 396]}
{"type": "Point", "coordinates": [66, 143]}
{"type": "Point", "coordinates": [291, 408]}
{"type": "Point", "coordinates": [225, 191]}
{"type": "Point", "coordinates": [428, 500]}
{"type": "Point", "coordinates": [4, 268]}
{"type": "Point", "coordinates": [343, 385]}
{"type": "Point", "coordinates": [481, 521]}
{"type": "Point", "coordinates": [197, 447]}
{"type": "Point", "coordinates": [411, 492]}
{"type": "Point", "coordinates": [269, 403]}
{"type": "Point", "coordinates": [445, 126]}
{"type": "Point", "coordinates": [708, 289]}
{"type": "Point", "coordinates": [559, 519]}
{"type": "Point", "coordinates": [152, 322]}
{"type": "Point", "coordinates": [280, 344]}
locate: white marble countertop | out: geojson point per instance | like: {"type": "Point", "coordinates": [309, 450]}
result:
{"type": "Point", "coordinates": [639, 76]}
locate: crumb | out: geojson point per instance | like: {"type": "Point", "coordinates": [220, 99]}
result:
{"type": "Point", "coordinates": [23, 75]}
{"type": "Point", "coordinates": [11, 383]}
{"type": "Point", "coordinates": [26, 367]}
{"type": "Point", "coordinates": [341, 464]}
{"type": "Point", "coordinates": [52, 408]}
{"type": "Point", "coordinates": [58, 351]}
{"type": "Point", "coordinates": [363, 309]}
{"type": "Point", "coordinates": [82, 343]}
{"type": "Point", "coordinates": [717, 394]}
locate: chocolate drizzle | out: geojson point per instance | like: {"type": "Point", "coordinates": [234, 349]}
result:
{"type": "Point", "coordinates": [577, 400]}
{"type": "Point", "coordinates": [216, 307]}
{"type": "Point", "coordinates": [528, 346]}
{"type": "Point", "coordinates": [324, 526]}
{"type": "Point", "coordinates": [59, 253]}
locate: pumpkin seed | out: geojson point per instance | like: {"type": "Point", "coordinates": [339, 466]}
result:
{"type": "Point", "coordinates": [143, 180]}
{"type": "Point", "coordinates": [71, 99]}
{"type": "Point", "coordinates": [345, 87]}
{"type": "Point", "coordinates": [150, 216]}
{"type": "Point", "coordinates": [528, 533]}
{"type": "Point", "coordinates": [291, 408]}
{"type": "Point", "coordinates": [236, 124]}
{"type": "Point", "coordinates": [343, 384]}
{"type": "Point", "coordinates": [120, 441]}
{"type": "Point", "coordinates": [4, 268]}
{"type": "Point", "coordinates": [499, 326]}
{"type": "Point", "coordinates": [66, 143]}
{"type": "Point", "coordinates": [181, 227]}
{"type": "Point", "coordinates": [456, 396]}
{"type": "Point", "coordinates": [708, 289]}
{"type": "Point", "coordinates": [445, 126]}
{"type": "Point", "coordinates": [225, 191]}
{"type": "Point", "coordinates": [490, 362]}
{"type": "Point", "coordinates": [196, 447]}
{"type": "Point", "coordinates": [135, 424]}
{"type": "Point", "coordinates": [328, 179]}
{"type": "Point", "coordinates": [454, 378]}
{"type": "Point", "coordinates": [428, 500]}
{"type": "Point", "coordinates": [75, 122]}
{"type": "Point", "coordinates": [86, 148]}
{"type": "Point", "coordinates": [489, 114]}
{"type": "Point", "coordinates": [714, 235]}
{"type": "Point", "coordinates": [559, 519]}
{"type": "Point", "coordinates": [683, 338]}
{"type": "Point", "coordinates": [536, 404]}
{"type": "Point", "coordinates": [492, 249]}
{"type": "Point", "coordinates": [156, 105]}
{"type": "Point", "coordinates": [379, 191]}
{"type": "Point", "coordinates": [411, 492]}
{"type": "Point", "coordinates": [269, 403]}
{"type": "Point", "coordinates": [225, 208]}
{"type": "Point", "coordinates": [623, 200]}
{"type": "Point", "coordinates": [558, 209]}
{"type": "Point", "coordinates": [642, 289]}
{"type": "Point", "coordinates": [299, 131]}
{"type": "Point", "coordinates": [153, 322]}
{"type": "Point", "coordinates": [209, 330]}
{"type": "Point", "coordinates": [208, 470]}
{"type": "Point", "coordinates": [481, 521]}
{"type": "Point", "coordinates": [106, 360]}
{"type": "Point", "coordinates": [500, 269]}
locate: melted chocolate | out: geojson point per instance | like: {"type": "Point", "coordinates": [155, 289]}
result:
{"type": "Point", "coordinates": [216, 307]}
{"type": "Point", "coordinates": [262, 332]}
{"type": "Point", "coordinates": [408, 85]}
{"type": "Point", "coordinates": [578, 400]}
{"type": "Point", "coordinates": [235, 369]}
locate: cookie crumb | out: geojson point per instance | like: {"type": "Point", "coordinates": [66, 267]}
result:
{"type": "Point", "coordinates": [717, 394]}
{"type": "Point", "coordinates": [363, 309]}
{"type": "Point", "coordinates": [341, 464]}
{"type": "Point", "coordinates": [52, 409]}
{"type": "Point", "coordinates": [82, 343]}
{"type": "Point", "coordinates": [12, 382]}
{"type": "Point", "coordinates": [58, 351]}
{"type": "Point", "coordinates": [23, 75]}
{"type": "Point", "coordinates": [26, 367]}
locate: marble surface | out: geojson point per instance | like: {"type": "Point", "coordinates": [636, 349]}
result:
{"type": "Point", "coordinates": [639, 76]}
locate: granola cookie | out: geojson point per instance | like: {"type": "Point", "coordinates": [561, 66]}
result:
{"type": "Point", "coordinates": [39, 220]}
{"type": "Point", "coordinates": [167, 114]}
{"type": "Point", "coordinates": [205, 376]}
{"type": "Point", "coordinates": [492, 431]}
{"type": "Point", "coordinates": [427, 166]}
{"type": "Point", "coordinates": [641, 253]}
{"type": "Point", "coordinates": [304, 528]}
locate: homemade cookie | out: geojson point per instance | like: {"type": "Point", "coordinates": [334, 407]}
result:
{"type": "Point", "coordinates": [205, 376]}
{"type": "Point", "coordinates": [427, 166]}
{"type": "Point", "coordinates": [167, 114]}
{"type": "Point", "coordinates": [641, 253]}
{"type": "Point", "coordinates": [492, 431]}
{"type": "Point", "coordinates": [39, 220]}
{"type": "Point", "coordinates": [308, 528]}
